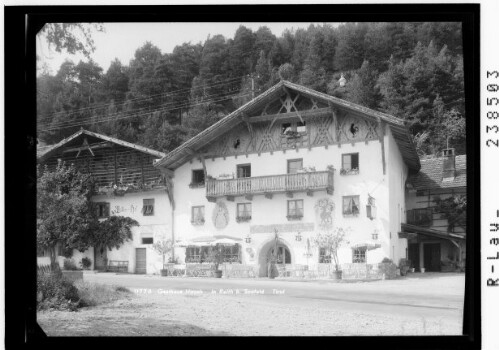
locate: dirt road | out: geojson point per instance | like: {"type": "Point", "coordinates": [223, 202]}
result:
{"type": "Point", "coordinates": [419, 305]}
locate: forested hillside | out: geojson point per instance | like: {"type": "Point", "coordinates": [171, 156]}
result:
{"type": "Point", "coordinates": [410, 70]}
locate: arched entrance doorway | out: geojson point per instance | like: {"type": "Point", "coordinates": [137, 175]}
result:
{"type": "Point", "coordinates": [284, 256]}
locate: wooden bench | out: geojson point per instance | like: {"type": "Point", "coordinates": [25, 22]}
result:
{"type": "Point", "coordinates": [117, 266]}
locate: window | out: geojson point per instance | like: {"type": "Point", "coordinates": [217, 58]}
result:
{"type": "Point", "coordinates": [294, 129]}
{"type": "Point", "coordinates": [147, 240]}
{"type": "Point", "coordinates": [197, 217]}
{"type": "Point", "coordinates": [197, 178]}
{"type": "Point", "coordinates": [243, 212]}
{"type": "Point", "coordinates": [243, 170]}
{"type": "Point", "coordinates": [193, 255]}
{"type": "Point", "coordinates": [295, 209]}
{"type": "Point", "coordinates": [349, 164]}
{"type": "Point", "coordinates": [231, 254]}
{"type": "Point", "coordinates": [285, 128]}
{"type": "Point", "coordinates": [148, 207]}
{"type": "Point", "coordinates": [103, 209]}
{"type": "Point", "coordinates": [351, 205]}
{"type": "Point", "coordinates": [359, 255]}
{"type": "Point", "coordinates": [324, 258]}
{"type": "Point", "coordinates": [301, 127]}
{"type": "Point", "coordinates": [294, 165]}
{"type": "Point", "coordinates": [421, 193]}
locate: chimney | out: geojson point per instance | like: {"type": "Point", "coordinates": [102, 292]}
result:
{"type": "Point", "coordinates": [449, 165]}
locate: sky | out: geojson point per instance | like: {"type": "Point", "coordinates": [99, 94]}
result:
{"type": "Point", "coordinates": [121, 40]}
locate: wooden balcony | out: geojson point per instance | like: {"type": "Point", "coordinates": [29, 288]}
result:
{"type": "Point", "coordinates": [420, 217]}
{"type": "Point", "coordinates": [269, 185]}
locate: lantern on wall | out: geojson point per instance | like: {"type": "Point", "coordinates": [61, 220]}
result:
{"type": "Point", "coordinates": [298, 237]}
{"type": "Point", "coordinates": [371, 208]}
{"type": "Point", "coordinates": [375, 235]}
{"type": "Point", "coordinates": [247, 239]}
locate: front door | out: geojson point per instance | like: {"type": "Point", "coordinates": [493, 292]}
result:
{"type": "Point", "coordinates": [140, 260]}
{"type": "Point", "coordinates": [283, 255]}
{"type": "Point", "coordinates": [100, 258]}
{"type": "Point", "coordinates": [432, 256]}
{"type": "Point", "coordinates": [414, 255]}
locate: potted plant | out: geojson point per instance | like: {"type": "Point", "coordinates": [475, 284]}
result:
{"type": "Point", "coordinates": [163, 247]}
{"type": "Point", "coordinates": [86, 263]}
{"type": "Point", "coordinates": [331, 240]}
{"type": "Point", "coordinates": [271, 265]}
{"type": "Point", "coordinates": [404, 265]}
{"type": "Point", "coordinates": [215, 256]}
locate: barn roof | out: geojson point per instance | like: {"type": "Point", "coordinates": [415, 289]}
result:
{"type": "Point", "coordinates": [184, 152]}
{"type": "Point", "coordinates": [431, 174]}
{"type": "Point", "coordinates": [47, 151]}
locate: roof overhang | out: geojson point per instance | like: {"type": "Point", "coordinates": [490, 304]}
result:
{"type": "Point", "coordinates": [53, 149]}
{"type": "Point", "coordinates": [408, 229]}
{"type": "Point", "coordinates": [188, 149]}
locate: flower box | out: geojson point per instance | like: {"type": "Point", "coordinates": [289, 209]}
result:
{"type": "Point", "coordinates": [196, 185]}
{"type": "Point", "coordinates": [243, 218]}
{"type": "Point", "coordinates": [294, 217]}
{"type": "Point", "coordinates": [197, 222]}
{"type": "Point", "coordinates": [354, 171]}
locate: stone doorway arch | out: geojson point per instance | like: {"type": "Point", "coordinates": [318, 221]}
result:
{"type": "Point", "coordinates": [283, 247]}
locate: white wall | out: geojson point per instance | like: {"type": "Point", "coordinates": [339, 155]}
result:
{"type": "Point", "coordinates": [157, 226]}
{"type": "Point", "coordinates": [397, 174]}
{"type": "Point", "coordinates": [273, 211]}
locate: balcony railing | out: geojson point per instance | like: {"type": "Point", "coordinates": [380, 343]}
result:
{"type": "Point", "coordinates": [310, 181]}
{"type": "Point", "coordinates": [420, 217]}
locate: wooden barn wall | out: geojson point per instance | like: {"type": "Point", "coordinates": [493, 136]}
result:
{"type": "Point", "coordinates": [121, 164]}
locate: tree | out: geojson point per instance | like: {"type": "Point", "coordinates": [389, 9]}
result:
{"type": "Point", "coordinates": [350, 51]}
{"type": "Point", "coordinates": [331, 240]}
{"type": "Point", "coordinates": [72, 37]}
{"type": "Point", "coordinates": [453, 209]}
{"type": "Point", "coordinates": [286, 72]}
{"type": "Point", "coordinates": [163, 248]}
{"type": "Point", "coordinates": [363, 89]}
{"type": "Point", "coordinates": [112, 232]}
{"type": "Point", "coordinates": [65, 216]}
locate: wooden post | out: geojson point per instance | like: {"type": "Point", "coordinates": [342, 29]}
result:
{"type": "Point", "coordinates": [382, 141]}
{"type": "Point", "coordinates": [115, 166]}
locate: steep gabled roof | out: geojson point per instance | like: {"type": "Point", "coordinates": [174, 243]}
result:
{"type": "Point", "coordinates": [46, 152]}
{"type": "Point", "coordinates": [400, 132]}
{"type": "Point", "coordinates": [431, 174]}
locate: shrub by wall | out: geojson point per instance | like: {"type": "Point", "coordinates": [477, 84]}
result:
{"type": "Point", "coordinates": [54, 291]}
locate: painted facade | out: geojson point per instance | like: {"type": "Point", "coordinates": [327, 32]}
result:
{"type": "Point", "coordinates": [248, 164]}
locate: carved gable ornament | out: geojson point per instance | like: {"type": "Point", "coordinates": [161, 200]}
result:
{"type": "Point", "coordinates": [324, 209]}
{"type": "Point", "coordinates": [220, 215]}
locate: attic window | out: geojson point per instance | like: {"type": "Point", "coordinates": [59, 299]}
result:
{"type": "Point", "coordinates": [148, 207]}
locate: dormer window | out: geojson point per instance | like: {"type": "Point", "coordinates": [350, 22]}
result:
{"type": "Point", "coordinates": [294, 129]}
{"type": "Point", "coordinates": [197, 178]}
{"type": "Point", "coordinates": [349, 164]}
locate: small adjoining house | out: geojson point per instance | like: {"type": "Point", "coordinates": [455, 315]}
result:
{"type": "Point", "coordinates": [293, 161]}
{"type": "Point", "coordinates": [437, 241]}
{"type": "Point", "coordinates": [126, 184]}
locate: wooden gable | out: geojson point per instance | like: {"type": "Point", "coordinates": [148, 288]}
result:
{"type": "Point", "coordinates": [112, 165]}
{"type": "Point", "coordinates": [264, 130]}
